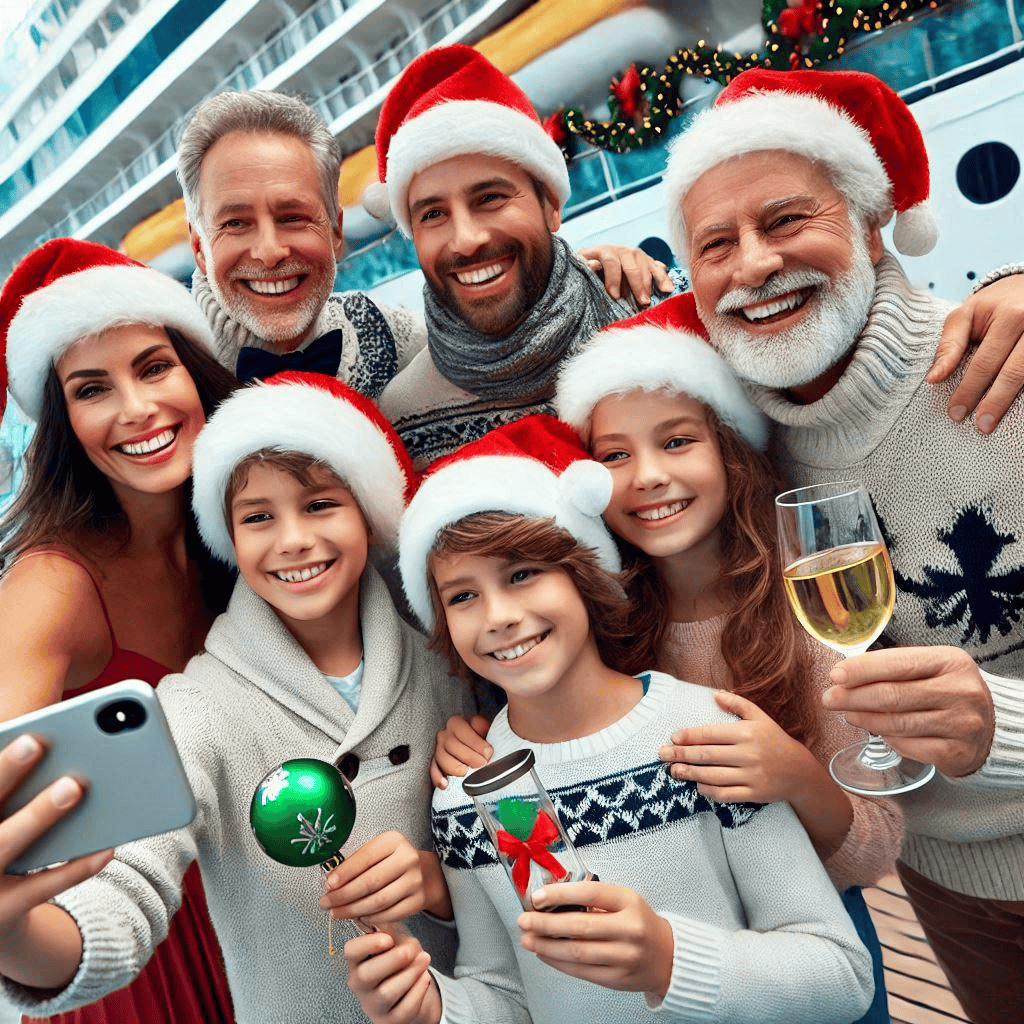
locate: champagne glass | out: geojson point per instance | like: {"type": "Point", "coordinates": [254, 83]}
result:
{"type": "Point", "coordinates": [838, 579]}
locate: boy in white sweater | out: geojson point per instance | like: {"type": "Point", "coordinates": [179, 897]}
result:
{"type": "Point", "coordinates": [292, 479]}
{"type": "Point", "coordinates": [705, 911]}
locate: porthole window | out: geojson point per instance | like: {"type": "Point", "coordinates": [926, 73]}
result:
{"type": "Point", "coordinates": [987, 172]}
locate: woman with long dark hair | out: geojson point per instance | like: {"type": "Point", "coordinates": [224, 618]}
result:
{"type": "Point", "coordinates": [103, 575]}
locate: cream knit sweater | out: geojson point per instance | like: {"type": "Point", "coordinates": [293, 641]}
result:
{"type": "Point", "coordinates": [950, 501]}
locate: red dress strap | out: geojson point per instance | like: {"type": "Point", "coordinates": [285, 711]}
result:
{"type": "Point", "coordinates": [184, 981]}
{"type": "Point", "coordinates": [123, 664]}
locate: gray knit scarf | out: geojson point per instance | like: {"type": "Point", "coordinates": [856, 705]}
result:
{"type": "Point", "coordinates": [522, 364]}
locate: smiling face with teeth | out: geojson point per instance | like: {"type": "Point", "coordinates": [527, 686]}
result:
{"type": "Point", "coordinates": [669, 483]}
{"type": "Point", "coordinates": [782, 275]}
{"type": "Point", "coordinates": [483, 239]}
{"type": "Point", "coordinates": [302, 547]}
{"type": "Point", "coordinates": [133, 407]}
{"type": "Point", "coordinates": [524, 627]}
{"type": "Point", "coordinates": [265, 240]}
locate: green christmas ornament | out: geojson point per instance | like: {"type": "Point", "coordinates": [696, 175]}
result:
{"type": "Point", "coordinates": [302, 813]}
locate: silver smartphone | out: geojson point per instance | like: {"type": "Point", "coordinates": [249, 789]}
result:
{"type": "Point", "coordinates": [117, 742]}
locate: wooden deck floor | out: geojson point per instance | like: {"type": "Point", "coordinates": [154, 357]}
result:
{"type": "Point", "coordinates": [918, 991]}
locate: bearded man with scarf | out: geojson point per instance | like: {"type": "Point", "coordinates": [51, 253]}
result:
{"type": "Point", "coordinates": [471, 176]}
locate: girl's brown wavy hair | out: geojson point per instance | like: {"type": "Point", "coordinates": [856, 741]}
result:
{"type": "Point", "coordinates": [763, 645]}
{"type": "Point", "coordinates": [517, 537]}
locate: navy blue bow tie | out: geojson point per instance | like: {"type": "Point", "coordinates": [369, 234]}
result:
{"type": "Point", "coordinates": [322, 356]}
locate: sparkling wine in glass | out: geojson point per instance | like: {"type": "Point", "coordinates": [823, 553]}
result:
{"type": "Point", "coordinates": [838, 579]}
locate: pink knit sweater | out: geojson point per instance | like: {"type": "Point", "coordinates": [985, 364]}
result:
{"type": "Point", "coordinates": [693, 652]}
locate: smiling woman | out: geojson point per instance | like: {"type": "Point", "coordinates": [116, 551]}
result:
{"type": "Point", "coordinates": [111, 359]}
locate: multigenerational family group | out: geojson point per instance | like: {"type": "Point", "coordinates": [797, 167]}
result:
{"type": "Point", "coordinates": [542, 518]}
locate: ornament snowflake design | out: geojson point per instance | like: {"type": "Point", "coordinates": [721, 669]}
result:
{"type": "Point", "coordinates": [273, 786]}
{"type": "Point", "coordinates": [313, 834]}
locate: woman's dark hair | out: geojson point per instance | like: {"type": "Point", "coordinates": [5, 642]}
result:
{"type": "Point", "coordinates": [764, 647]}
{"type": "Point", "coordinates": [507, 536]}
{"type": "Point", "coordinates": [64, 496]}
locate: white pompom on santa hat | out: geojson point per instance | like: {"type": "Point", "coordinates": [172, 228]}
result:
{"type": "Point", "coordinates": [69, 289]}
{"type": "Point", "coordinates": [452, 101]}
{"type": "Point", "coordinates": [314, 415]}
{"type": "Point", "coordinates": [535, 467]}
{"type": "Point", "coordinates": [850, 121]}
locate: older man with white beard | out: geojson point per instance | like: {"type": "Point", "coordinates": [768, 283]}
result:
{"type": "Point", "coordinates": [777, 194]}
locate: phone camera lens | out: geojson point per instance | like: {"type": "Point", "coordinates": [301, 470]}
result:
{"type": "Point", "coordinates": [120, 716]}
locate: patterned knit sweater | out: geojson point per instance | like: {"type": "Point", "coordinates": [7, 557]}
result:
{"type": "Point", "coordinates": [377, 341]}
{"type": "Point", "coordinates": [693, 651]}
{"type": "Point", "coordinates": [253, 700]}
{"type": "Point", "coordinates": [434, 416]}
{"type": "Point", "coordinates": [949, 500]}
{"type": "Point", "coordinates": [760, 933]}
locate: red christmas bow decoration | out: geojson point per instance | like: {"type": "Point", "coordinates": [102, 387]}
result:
{"type": "Point", "coordinates": [555, 128]}
{"type": "Point", "coordinates": [626, 91]}
{"type": "Point", "coordinates": [800, 18]}
{"type": "Point", "coordinates": [535, 848]}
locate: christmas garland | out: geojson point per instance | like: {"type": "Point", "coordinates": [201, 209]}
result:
{"type": "Point", "coordinates": [801, 34]}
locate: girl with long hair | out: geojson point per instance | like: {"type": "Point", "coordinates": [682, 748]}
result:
{"type": "Point", "coordinates": [104, 577]}
{"type": "Point", "coordinates": [693, 510]}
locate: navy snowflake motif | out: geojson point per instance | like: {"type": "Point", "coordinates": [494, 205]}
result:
{"type": "Point", "coordinates": [378, 355]}
{"type": "Point", "coordinates": [976, 597]}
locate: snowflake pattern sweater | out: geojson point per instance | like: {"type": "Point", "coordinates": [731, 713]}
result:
{"type": "Point", "coordinates": [760, 933]}
{"type": "Point", "coordinates": [253, 700]}
{"type": "Point", "coordinates": [949, 501]}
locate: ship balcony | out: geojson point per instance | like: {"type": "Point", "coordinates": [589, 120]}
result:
{"type": "Point", "coordinates": [342, 55]}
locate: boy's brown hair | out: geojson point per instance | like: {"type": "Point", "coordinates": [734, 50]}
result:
{"type": "Point", "coordinates": [305, 468]}
{"type": "Point", "coordinates": [507, 536]}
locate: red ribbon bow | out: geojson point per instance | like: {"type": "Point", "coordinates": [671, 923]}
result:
{"type": "Point", "coordinates": [626, 90]}
{"type": "Point", "coordinates": [535, 848]}
{"type": "Point", "coordinates": [800, 19]}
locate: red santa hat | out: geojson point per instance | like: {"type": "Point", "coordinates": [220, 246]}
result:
{"type": "Point", "coordinates": [67, 290]}
{"type": "Point", "coordinates": [535, 467]}
{"type": "Point", "coordinates": [850, 121]}
{"type": "Point", "coordinates": [314, 415]}
{"type": "Point", "coordinates": [660, 350]}
{"type": "Point", "coordinates": [453, 101]}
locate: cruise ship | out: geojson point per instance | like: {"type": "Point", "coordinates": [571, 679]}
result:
{"type": "Point", "coordinates": [93, 95]}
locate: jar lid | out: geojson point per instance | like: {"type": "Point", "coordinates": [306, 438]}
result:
{"type": "Point", "coordinates": [500, 773]}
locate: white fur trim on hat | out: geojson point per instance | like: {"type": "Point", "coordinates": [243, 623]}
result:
{"type": "Point", "coordinates": [650, 358]}
{"type": "Point", "coordinates": [460, 127]}
{"type": "Point", "coordinates": [294, 418]}
{"type": "Point", "coordinates": [575, 500]}
{"type": "Point", "coordinates": [776, 121]}
{"type": "Point", "coordinates": [85, 303]}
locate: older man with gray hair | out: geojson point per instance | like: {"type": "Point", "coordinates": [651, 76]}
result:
{"type": "Point", "coordinates": [778, 194]}
{"type": "Point", "coordinates": [259, 174]}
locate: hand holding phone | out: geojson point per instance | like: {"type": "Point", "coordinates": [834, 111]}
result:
{"type": "Point", "coordinates": [24, 954]}
{"type": "Point", "coordinates": [116, 743]}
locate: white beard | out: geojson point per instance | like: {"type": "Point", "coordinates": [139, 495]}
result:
{"type": "Point", "coordinates": [798, 354]}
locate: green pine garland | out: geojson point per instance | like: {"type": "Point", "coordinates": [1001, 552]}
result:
{"type": "Point", "coordinates": [659, 89]}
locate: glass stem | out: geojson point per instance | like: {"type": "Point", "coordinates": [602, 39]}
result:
{"type": "Point", "coordinates": [878, 755]}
